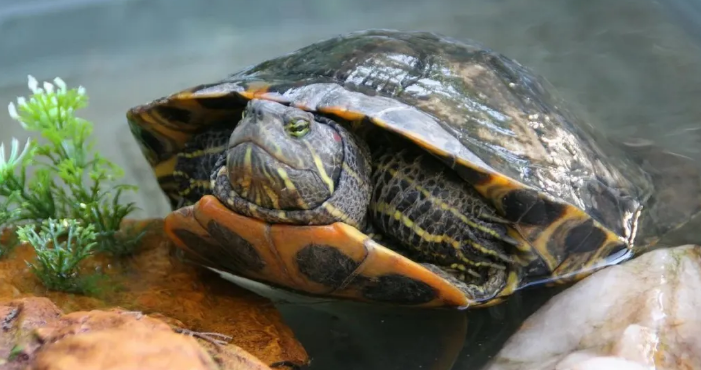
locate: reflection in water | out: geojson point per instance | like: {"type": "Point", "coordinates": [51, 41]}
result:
{"type": "Point", "coordinates": [491, 327]}
{"type": "Point", "coordinates": [348, 335]}
{"type": "Point", "coordinates": [344, 335]}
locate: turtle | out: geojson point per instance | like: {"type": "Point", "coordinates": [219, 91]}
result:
{"type": "Point", "coordinates": [403, 168]}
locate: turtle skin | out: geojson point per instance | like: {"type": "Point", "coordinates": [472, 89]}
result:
{"type": "Point", "coordinates": [522, 192]}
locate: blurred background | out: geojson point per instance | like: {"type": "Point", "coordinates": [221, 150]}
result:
{"type": "Point", "coordinates": [632, 67]}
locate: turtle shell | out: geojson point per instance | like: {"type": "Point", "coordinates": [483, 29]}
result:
{"type": "Point", "coordinates": [573, 197]}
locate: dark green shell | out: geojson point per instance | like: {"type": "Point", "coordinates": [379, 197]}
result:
{"type": "Point", "coordinates": [575, 197]}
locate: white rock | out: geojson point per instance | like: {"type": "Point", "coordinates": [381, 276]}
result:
{"type": "Point", "coordinates": [644, 314]}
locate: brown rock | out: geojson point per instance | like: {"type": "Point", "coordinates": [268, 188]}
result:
{"type": "Point", "coordinates": [154, 281]}
{"type": "Point", "coordinates": [36, 336]}
{"type": "Point", "coordinates": [18, 319]}
{"type": "Point", "coordinates": [122, 349]}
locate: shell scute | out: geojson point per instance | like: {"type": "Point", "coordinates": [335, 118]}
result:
{"type": "Point", "coordinates": [525, 206]}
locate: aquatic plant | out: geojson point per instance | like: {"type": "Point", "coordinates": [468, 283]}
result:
{"type": "Point", "coordinates": [57, 175]}
{"type": "Point", "coordinates": [7, 215]}
{"type": "Point", "coordinates": [70, 179]}
{"type": "Point", "coordinates": [60, 248]}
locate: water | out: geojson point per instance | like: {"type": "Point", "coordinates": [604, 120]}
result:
{"type": "Point", "coordinates": [633, 67]}
{"type": "Point", "coordinates": [349, 335]}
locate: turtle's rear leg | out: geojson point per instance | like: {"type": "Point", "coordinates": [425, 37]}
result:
{"type": "Point", "coordinates": [426, 212]}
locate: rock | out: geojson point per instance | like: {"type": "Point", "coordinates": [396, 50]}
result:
{"type": "Point", "coordinates": [18, 320]}
{"type": "Point", "coordinates": [642, 314]}
{"type": "Point", "coordinates": [153, 280]}
{"type": "Point", "coordinates": [35, 335]}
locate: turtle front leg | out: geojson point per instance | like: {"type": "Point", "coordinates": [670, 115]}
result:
{"type": "Point", "coordinates": [333, 260]}
{"type": "Point", "coordinates": [211, 237]}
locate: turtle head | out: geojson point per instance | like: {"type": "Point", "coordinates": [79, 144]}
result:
{"type": "Point", "coordinates": [284, 158]}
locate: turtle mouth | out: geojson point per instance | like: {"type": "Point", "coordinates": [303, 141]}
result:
{"type": "Point", "coordinates": [267, 179]}
{"type": "Point", "coordinates": [263, 149]}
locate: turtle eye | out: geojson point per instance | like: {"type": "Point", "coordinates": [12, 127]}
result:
{"type": "Point", "coordinates": [297, 128]}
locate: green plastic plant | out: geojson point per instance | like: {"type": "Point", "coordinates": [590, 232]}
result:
{"type": "Point", "coordinates": [7, 216]}
{"type": "Point", "coordinates": [58, 176]}
{"type": "Point", "coordinates": [60, 247]}
{"type": "Point", "coordinates": [70, 180]}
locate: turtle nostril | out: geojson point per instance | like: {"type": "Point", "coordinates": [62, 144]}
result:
{"type": "Point", "coordinates": [255, 114]}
